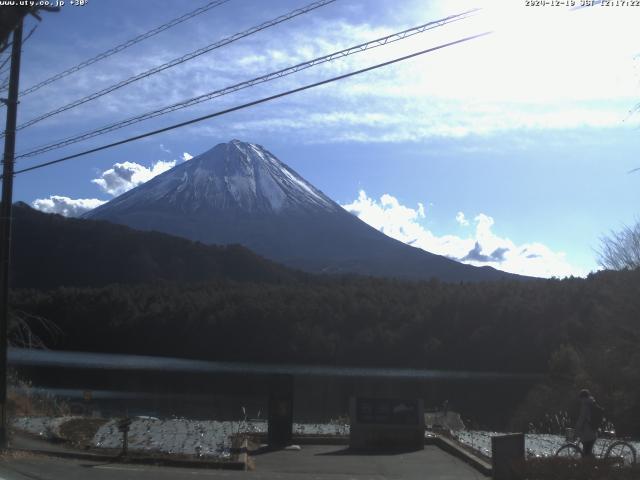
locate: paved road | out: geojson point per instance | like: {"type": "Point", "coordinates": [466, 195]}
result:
{"type": "Point", "coordinates": [316, 461]}
{"type": "Point", "coordinates": [313, 462]}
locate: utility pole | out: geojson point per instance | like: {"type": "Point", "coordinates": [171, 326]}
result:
{"type": "Point", "coordinates": [5, 223]}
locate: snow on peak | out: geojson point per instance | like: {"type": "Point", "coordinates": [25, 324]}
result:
{"type": "Point", "coordinates": [278, 181]}
{"type": "Point", "coordinates": [235, 175]}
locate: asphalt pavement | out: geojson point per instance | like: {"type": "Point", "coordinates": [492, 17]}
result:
{"type": "Point", "coordinates": [318, 462]}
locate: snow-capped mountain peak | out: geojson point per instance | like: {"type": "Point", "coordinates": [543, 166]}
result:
{"type": "Point", "coordinates": [234, 176]}
{"type": "Point", "coordinates": [239, 193]}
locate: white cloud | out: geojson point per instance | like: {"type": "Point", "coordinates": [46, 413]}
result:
{"type": "Point", "coordinates": [499, 83]}
{"type": "Point", "coordinates": [370, 115]}
{"type": "Point", "coordinates": [483, 248]}
{"type": "Point", "coordinates": [388, 216]}
{"type": "Point", "coordinates": [122, 177]}
{"type": "Point", "coordinates": [116, 180]}
{"type": "Point", "coordinates": [519, 78]}
{"type": "Point", "coordinates": [461, 219]}
{"type": "Point", "coordinates": [69, 207]}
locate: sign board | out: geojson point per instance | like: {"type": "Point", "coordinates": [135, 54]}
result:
{"type": "Point", "coordinates": [124, 424]}
{"type": "Point", "coordinates": [386, 424]}
{"type": "Point", "coordinates": [507, 456]}
{"type": "Point", "coordinates": [387, 411]}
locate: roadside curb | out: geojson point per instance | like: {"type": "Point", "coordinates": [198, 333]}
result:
{"type": "Point", "coordinates": [454, 449]}
{"type": "Point", "coordinates": [239, 459]}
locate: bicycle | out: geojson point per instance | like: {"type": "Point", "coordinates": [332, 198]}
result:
{"type": "Point", "coordinates": [619, 451]}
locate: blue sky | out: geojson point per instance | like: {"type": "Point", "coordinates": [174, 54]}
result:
{"type": "Point", "coordinates": [511, 150]}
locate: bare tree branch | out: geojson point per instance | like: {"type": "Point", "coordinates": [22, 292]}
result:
{"type": "Point", "coordinates": [21, 325]}
{"type": "Point", "coordinates": [621, 250]}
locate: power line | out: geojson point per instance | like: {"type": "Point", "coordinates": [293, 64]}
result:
{"type": "Point", "coordinates": [249, 83]}
{"type": "Point", "coordinates": [179, 60]}
{"type": "Point", "coordinates": [123, 46]}
{"type": "Point", "coordinates": [4, 70]}
{"type": "Point", "coordinates": [5, 62]}
{"type": "Point", "coordinates": [26, 39]}
{"type": "Point", "coordinates": [249, 104]}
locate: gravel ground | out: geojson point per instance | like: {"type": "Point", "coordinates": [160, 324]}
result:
{"type": "Point", "coordinates": [45, 427]}
{"type": "Point", "coordinates": [204, 438]}
{"type": "Point", "coordinates": [537, 445]}
{"type": "Point", "coordinates": [213, 438]}
{"type": "Point", "coordinates": [194, 437]}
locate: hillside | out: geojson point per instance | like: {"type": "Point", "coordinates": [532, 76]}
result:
{"type": "Point", "coordinates": [51, 251]}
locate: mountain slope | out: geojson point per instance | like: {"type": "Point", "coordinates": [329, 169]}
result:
{"type": "Point", "coordinates": [240, 193]}
{"type": "Point", "coordinates": [50, 251]}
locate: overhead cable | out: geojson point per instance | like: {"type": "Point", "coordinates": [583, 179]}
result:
{"type": "Point", "coordinates": [246, 105]}
{"type": "Point", "coordinates": [123, 46]}
{"type": "Point", "coordinates": [178, 61]}
{"type": "Point", "coordinates": [248, 83]}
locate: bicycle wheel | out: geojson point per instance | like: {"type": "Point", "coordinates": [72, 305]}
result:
{"type": "Point", "coordinates": [569, 451]}
{"type": "Point", "coordinates": [622, 452]}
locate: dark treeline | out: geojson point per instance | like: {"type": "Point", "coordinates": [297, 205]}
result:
{"type": "Point", "coordinates": [581, 332]}
{"type": "Point", "coordinates": [50, 251]}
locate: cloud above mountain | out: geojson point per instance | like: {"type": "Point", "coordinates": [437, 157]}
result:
{"type": "Point", "coordinates": [461, 219]}
{"type": "Point", "coordinates": [118, 179]}
{"type": "Point", "coordinates": [122, 177]}
{"type": "Point", "coordinates": [481, 247]}
{"type": "Point", "coordinates": [68, 207]}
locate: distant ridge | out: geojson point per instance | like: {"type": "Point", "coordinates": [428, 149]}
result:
{"type": "Point", "coordinates": [51, 251]}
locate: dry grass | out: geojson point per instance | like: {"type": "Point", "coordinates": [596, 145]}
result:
{"type": "Point", "coordinates": [22, 400]}
{"type": "Point", "coordinates": [21, 404]}
{"type": "Point", "coordinates": [80, 431]}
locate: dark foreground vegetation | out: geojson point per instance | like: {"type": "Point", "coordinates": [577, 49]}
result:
{"type": "Point", "coordinates": [183, 299]}
{"type": "Point", "coordinates": [579, 332]}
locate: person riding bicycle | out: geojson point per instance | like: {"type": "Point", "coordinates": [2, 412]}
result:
{"type": "Point", "coordinates": [584, 428]}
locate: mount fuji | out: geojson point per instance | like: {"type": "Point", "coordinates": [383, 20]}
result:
{"type": "Point", "coordinates": [240, 193]}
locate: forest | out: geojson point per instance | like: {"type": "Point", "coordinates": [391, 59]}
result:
{"type": "Point", "coordinates": [93, 286]}
{"type": "Point", "coordinates": [578, 332]}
